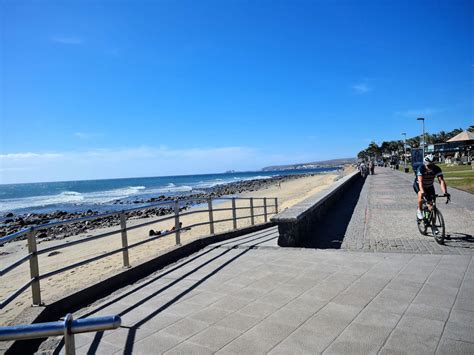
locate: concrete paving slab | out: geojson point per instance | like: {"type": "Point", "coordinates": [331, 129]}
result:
{"type": "Point", "coordinates": [460, 326]}
{"type": "Point", "coordinates": [189, 348]}
{"type": "Point", "coordinates": [428, 312]}
{"type": "Point", "coordinates": [238, 321]}
{"type": "Point", "coordinates": [210, 315]}
{"type": "Point", "coordinates": [259, 339]}
{"type": "Point", "coordinates": [403, 342]}
{"type": "Point", "coordinates": [304, 341]}
{"type": "Point", "coordinates": [341, 347]}
{"type": "Point", "coordinates": [449, 346]}
{"type": "Point", "coordinates": [157, 343]}
{"type": "Point", "coordinates": [185, 328]}
{"type": "Point", "coordinates": [214, 338]}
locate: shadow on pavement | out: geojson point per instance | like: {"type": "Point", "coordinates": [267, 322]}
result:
{"type": "Point", "coordinates": [216, 260]}
{"type": "Point", "coordinates": [329, 234]}
{"type": "Point", "coordinates": [459, 240]}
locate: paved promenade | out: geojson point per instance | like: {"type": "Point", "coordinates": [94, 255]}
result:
{"type": "Point", "coordinates": [247, 296]}
{"type": "Point", "coordinates": [384, 218]}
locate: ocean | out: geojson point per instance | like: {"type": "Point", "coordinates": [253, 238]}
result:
{"type": "Point", "coordinates": [100, 195]}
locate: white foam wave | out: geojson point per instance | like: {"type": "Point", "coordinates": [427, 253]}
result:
{"type": "Point", "coordinates": [170, 189]}
{"type": "Point", "coordinates": [258, 177]}
{"type": "Point", "coordinates": [213, 183]}
{"type": "Point", "coordinates": [71, 197]}
{"type": "Point", "coordinates": [39, 201]}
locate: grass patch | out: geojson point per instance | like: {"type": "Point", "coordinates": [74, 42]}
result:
{"type": "Point", "coordinates": [465, 184]}
{"type": "Point", "coordinates": [461, 179]}
{"type": "Point", "coordinates": [446, 168]}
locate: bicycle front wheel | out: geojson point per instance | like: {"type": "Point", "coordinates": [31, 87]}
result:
{"type": "Point", "coordinates": [437, 227]}
{"type": "Point", "coordinates": [422, 227]}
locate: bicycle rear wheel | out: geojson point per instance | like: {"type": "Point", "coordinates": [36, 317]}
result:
{"type": "Point", "coordinates": [437, 227]}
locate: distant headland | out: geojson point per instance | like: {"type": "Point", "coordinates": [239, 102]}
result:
{"type": "Point", "coordinates": [312, 165]}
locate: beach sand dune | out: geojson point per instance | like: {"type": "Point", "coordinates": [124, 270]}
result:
{"type": "Point", "coordinates": [288, 194]}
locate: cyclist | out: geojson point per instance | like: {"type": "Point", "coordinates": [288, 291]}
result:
{"type": "Point", "coordinates": [424, 179]}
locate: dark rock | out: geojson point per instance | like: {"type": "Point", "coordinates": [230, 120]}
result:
{"type": "Point", "coordinates": [9, 214]}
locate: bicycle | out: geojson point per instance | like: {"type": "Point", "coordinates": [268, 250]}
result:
{"type": "Point", "coordinates": [432, 218]}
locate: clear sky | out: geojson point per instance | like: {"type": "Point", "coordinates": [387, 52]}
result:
{"type": "Point", "coordinates": [94, 89]}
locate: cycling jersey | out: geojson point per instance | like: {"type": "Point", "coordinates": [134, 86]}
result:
{"type": "Point", "coordinates": [428, 174]}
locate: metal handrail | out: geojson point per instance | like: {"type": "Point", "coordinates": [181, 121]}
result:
{"type": "Point", "coordinates": [68, 328]}
{"type": "Point", "coordinates": [32, 256]}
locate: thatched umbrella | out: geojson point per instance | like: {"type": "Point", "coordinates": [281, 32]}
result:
{"type": "Point", "coordinates": [462, 137]}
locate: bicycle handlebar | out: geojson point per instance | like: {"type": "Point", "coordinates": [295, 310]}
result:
{"type": "Point", "coordinates": [448, 197]}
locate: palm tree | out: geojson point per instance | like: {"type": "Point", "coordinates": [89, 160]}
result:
{"type": "Point", "coordinates": [414, 142]}
{"type": "Point", "coordinates": [443, 136]}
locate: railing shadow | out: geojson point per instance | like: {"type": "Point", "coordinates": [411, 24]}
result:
{"type": "Point", "coordinates": [331, 230]}
{"type": "Point", "coordinates": [247, 239]}
{"type": "Point", "coordinates": [133, 329]}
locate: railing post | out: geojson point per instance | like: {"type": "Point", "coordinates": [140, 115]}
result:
{"type": "Point", "coordinates": [34, 268]}
{"type": "Point", "coordinates": [123, 227]}
{"type": "Point", "coordinates": [265, 209]}
{"type": "Point", "coordinates": [276, 205]}
{"type": "Point", "coordinates": [176, 223]}
{"type": "Point", "coordinates": [234, 213]}
{"type": "Point", "coordinates": [252, 214]}
{"type": "Point", "coordinates": [211, 215]}
{"type": "Point", "coordinates": [69, 344]}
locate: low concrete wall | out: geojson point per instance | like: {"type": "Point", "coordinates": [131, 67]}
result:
{"type": "Point", "coordinates": [72, 302]}
{"type": "Point", "coordinates": [297, 222]}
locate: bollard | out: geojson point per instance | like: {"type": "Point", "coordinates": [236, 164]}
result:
{"type": "Point", "coordinates": [234, 213]}
{"type": "Point", "coordinates": [34, 268]}
{"type": "Point", "coordinates": [123, 227]}
{"type": "Point", "coordinates": [211, 216]}
{"type": "Point", "coordinates": [69, 344]}
{"type": "Point", "coordinates": [176, 223]}
{"type": "Point", "coordinates": [252, 214]}
{"type": "Point", "coordinates": [265, 209]}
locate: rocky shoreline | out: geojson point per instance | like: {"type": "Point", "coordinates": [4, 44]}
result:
{"type": "Point", "coordinates": [14, 223]}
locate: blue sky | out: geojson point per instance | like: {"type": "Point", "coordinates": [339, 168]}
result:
{"type": "Point", "coordinates": [128, 88]}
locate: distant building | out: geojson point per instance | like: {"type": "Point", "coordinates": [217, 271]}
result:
{"type": "Point", "coordinates": [459, 147]}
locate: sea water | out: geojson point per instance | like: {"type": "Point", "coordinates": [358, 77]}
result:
{"type": "Point", "coordinates": [102, 195]}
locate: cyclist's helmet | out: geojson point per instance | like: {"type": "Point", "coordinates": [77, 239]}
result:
{"type": "Point", "coordinates": [429, 159]}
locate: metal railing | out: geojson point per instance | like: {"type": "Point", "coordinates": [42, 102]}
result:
{"type": "Point", "coordinates": [68, 328]}
{"type": "Point", "coordinates": [33, 251]}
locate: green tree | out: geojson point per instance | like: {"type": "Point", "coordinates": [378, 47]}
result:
{"type": "Point", "coordinates": [373, 150]}
{"type": "Point", "coordinates": [414, 142]}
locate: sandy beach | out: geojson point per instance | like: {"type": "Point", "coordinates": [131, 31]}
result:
{"type": "Point", "coordinates": [288, 194]}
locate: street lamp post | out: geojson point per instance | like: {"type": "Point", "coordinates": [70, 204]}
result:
{"type": "Point", "coordinates": [424, 142]}
{"type": "Point", "coordinates": [405, 150]}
